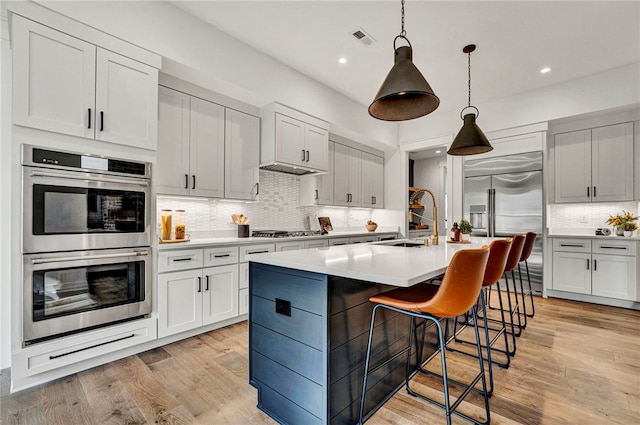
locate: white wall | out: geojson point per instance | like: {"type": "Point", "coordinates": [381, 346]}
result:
{"type": "Point", "coordinates": [5, 193]}
{"type": "Point", "coordinates": [208, 57]}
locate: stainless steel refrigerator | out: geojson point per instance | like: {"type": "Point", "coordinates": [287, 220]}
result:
{"type": "Point", "coordinates": [503, 197]}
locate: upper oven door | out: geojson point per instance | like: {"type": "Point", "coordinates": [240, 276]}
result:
{"type": "Point", "coordinates": [70, 211]}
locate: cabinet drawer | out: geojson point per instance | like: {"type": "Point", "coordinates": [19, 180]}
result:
{"type": "Point", "coordinates": [289, 246]}
{"type": "Point", "coordinates": [572, 245]}
{"type": "Point", "coordinates": [255, 249]}
{"type": "Point", "coordinates": [614, 246]}
{"type": "Point", "coordinates": [338, 241]}
{"type": "Point", "coordinates": [183, 259]}
{"type": "Point", "coordinates": [300, 325]}
{"type": "Point", "coordinates": [220, 256]}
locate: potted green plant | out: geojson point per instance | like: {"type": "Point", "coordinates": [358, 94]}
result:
{"type": "Point", "coordinates": [465, 230]}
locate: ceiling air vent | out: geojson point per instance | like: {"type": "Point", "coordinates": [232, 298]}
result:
{"type": "Point", "coordinates": [363, 37]}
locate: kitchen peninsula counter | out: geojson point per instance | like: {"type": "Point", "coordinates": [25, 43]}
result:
{"type": "Point", "coordinates": [309, 320]}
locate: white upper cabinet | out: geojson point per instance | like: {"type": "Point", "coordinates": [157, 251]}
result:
{"type": "Point", "coordinates": [173, 142]}
{"type": "Point", "coordinates": [612, 162]}
{"type": "Point", "coordinates": [594, 165]}
{"type": "Point", "coordinates": [65, 85]}
{"type": "Point", "coordinates": [318, 190]}
{"type": "Point", "coordinates": [292, 141]}
{"type": "Point", "coordinates": [372, 181]}
{"type": "Point", "coordinates": [190, 145]}
{"type": "Point", "coordinates": [317, 147]}
{"type": "Point", "coordinates": [54, 80]}
{"type": "Point", "coordinates": [301, 144]}
{"type": "Point", "coordinates": [242, 155]}
{"type": "Point", "coordinates": [347, 176]}
{"type": "Point", "coordinates": [126, 101]}
{"type": "Point", "coordinates": [206, 149]}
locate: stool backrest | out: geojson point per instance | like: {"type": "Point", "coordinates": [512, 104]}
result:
{"type": "Point", "coordinates": [498, 254]}
{"type": "Point", "coordinates": [461, 284]}
{"type": "Point", "coordinates": [530, 238]}
{"type": "Point", "coordinates": [515, 253]}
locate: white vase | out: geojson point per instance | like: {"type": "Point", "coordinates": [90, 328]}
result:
{"type": "Point", "coordinates": [628, 233]}
{"type": "Point", "coordinates": [619, 231]}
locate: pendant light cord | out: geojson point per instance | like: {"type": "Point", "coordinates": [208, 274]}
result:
{"type": "Point", "coordinates": [469, 79]}
{"type": "Point", "coordinates": [403, 33]}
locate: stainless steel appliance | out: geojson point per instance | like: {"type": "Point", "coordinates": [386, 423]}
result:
{"type": "Point", "coordinates": [71, 291]}
{"type": "Point", "coordinates": [503, 197]}
{"type": "Point", "coordinates": [86, 242]}
{"type": "Point", "coordinates": [78, 201]}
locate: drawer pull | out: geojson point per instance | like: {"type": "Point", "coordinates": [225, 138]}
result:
{"type": "Point", "coordinates": [595, 265]}
{"type": "Point", "coordinates": [571, 245]}
{"type": "Point", "coordinates": [206, 279]}
{"type": "Point", "coordinates": [283, 307]}
{"type": "Point", "coordinates": [222, 255]}
{"type": "Point", "coordinates": [181, 259]}
{"type": "Point", "coordinates": [614, 247]}
{"type": "Point", "coordinates": [587, 264]}
{"type": "Point", "coordinates": [257, 252]}
{"type": "Point", "coordinates": [199, 284]}
{"type": "Point", "coordinates": [89, 348]}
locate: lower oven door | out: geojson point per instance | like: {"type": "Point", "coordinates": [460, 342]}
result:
{"type": "Point", "coordinates": [70, 292]}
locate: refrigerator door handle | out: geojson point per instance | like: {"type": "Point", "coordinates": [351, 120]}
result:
{"type": "Point", "coordinates": [489, 229]}
{"type": "Point", "coordinates": [493, 212]}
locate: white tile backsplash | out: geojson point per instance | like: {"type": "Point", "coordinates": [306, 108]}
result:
{"type": "Point", "coordinates": [278, 208]}
{"type": "Point", "coordinates": [591, 215]}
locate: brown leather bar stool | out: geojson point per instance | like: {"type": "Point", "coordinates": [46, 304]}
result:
{"type": "Point", "coordinates": [456, 295]}
{"type": "Point", "coordinates": [498, 255]}
{"type": "Point", "coordinates": [530, 239]}
{"type": "Point", "coordinates": [514, 308]}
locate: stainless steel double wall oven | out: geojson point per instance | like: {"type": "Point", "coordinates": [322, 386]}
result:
{"type": "Point", "coordinates": [86, 242]}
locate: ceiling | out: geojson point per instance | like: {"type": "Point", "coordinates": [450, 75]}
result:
{"type": "Point", "coordinates": [515, 40]}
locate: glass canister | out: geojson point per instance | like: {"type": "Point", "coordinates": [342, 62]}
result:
{"type": "Point", "coordinates": [165, 225]}
{"type": "Point", "coordinates": [180, 224]}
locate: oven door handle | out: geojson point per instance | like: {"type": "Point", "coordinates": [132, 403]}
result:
{"type": "Point", "coordinates": [89, 257]}
{"type": "Point", "coordinates": [97, 179]}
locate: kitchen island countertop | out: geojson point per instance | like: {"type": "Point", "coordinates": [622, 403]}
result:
{"type": "Point", "coordinates": [374, 262]}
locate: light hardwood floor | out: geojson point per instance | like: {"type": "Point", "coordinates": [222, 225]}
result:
{"type": "Point", "coordinates": [576, 363]}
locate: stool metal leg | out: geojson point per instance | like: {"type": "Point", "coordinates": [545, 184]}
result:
{"type": "Point", "coordinates": [528, 293]}
{"type": "Point", "coordinates": [366, 363]}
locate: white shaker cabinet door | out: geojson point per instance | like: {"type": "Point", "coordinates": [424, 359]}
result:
{"type": "Point", "coordinates": [126, 101]}
{"type": "Point", "coordinates": [242, 155]}
{"type": "Point", "coordinates": [355, 177]}
{"type": "Point", "coordinates": [290, 140]}
{"type": "Point", "coordinates": [317, 147]}
{"type": "Point", "coordinates": [572, 272]}
{"type": "Point", "coordinates": [206, 149]}
{"type": "Point", "coordinates": [614, 276]}
{"type": "Point", "coordinates": [53, 80]}
{"type": "Point", "coordinates": [179, 302]}
{"type": "Point", "coordinates": [573, 167]}
{"type": "Point", "coordinates": [173, 175]}
{"type": "Point", "coordinates": [372, 180]}
{"type": "Point", "coordinates": [220, 289]}
{"type": "Point", "coordinates": [612, 175]}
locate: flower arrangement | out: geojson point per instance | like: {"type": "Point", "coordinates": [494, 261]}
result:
{"type": "Point", "coordinates": [465, 227]}
{"type": "Point", "coordinates": [624, 221]}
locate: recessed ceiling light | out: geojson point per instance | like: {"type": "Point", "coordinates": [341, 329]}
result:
{"type": "Point", "coordinates": [342, 60]}
{"type": "Point", "coordinates": [545, 70]}
{"type": "Point", "coordinates": [438, 151]}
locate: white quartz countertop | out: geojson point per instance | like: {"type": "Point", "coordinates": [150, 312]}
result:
{"type": "Point", "coordinates": [373, 262]}
{"type": "Point", "coordinates": [225, 241]}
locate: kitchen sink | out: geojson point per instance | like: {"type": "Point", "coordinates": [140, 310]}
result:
{"type": "Point", "coordinates": [404, 244]}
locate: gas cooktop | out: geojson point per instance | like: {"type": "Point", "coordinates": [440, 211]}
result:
{"type": "Point", "coordinates": [284, 233]}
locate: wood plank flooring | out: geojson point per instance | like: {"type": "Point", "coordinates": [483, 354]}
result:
{"type": "Point", "coordinates": [576, 363]}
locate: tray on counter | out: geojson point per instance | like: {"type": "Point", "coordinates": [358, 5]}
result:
{"type": "Point", "coordinates": [173, 240]}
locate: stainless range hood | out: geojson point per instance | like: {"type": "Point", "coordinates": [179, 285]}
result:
{"type": "Point", "coordinates": [290, 169]}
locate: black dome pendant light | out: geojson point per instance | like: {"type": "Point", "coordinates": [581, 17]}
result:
{"type": "Point", "coordinates": [404, 93]}
{"type": "Point", "coordinates": [470, 139]}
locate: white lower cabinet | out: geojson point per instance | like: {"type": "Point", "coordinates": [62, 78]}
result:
{"type": "Point", "coordinates": [599, 267]}
{"type": "Point", "coordinates": [179, 302]}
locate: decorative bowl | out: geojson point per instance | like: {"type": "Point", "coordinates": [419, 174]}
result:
{"type": "Point", "coordinates": [371, 227]}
